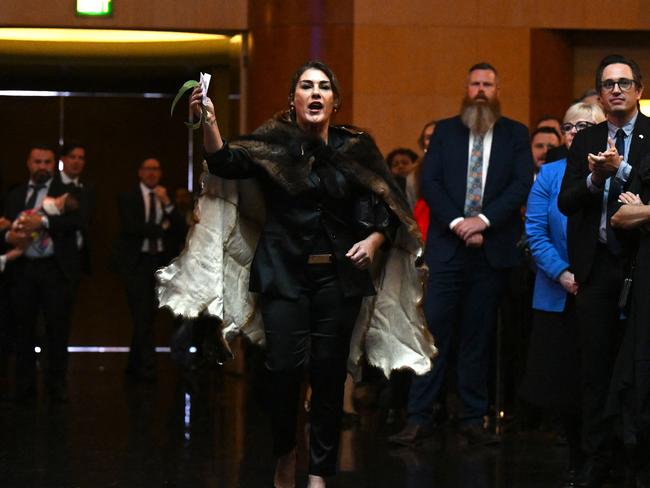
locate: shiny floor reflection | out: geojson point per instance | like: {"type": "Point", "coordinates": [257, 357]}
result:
{"type": "Point", "coordinates": [211, 431]}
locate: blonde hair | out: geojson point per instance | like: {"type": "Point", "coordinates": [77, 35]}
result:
{"type": "Point", "coordinates": [587, 111]}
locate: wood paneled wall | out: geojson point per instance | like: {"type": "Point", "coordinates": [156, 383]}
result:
{"type": "Point", "coordinates": [551, 74]}
{"type": "Point", "coordinates": [411, 57]}
{"type": "Point", "coordinates": [406, 76]}
{"type": "Point", "coordinates": [286, 33]}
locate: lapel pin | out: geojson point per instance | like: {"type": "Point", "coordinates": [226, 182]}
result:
{"type": "Point", "coordinates": [640, 136]}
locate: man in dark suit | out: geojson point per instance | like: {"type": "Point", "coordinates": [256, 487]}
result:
{"type": "Point", "coordinates": [73, 157]}
{"type": "Point", "coordinates": [151, 230]}
{"type": "Point", "coordinates": [476, 176]}
{"type": "Point", "coordinates": [45, 277]}
{"type": "Point", "coordinates": [600, 161]}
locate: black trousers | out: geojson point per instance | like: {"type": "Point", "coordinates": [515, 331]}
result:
{"type": "Point", "coordinates": [600, 330]}
{"type": "Point", "coordinates": [313, 329]}
{"type": "Point", "coordinates": [141, 295]}
{"type": "Point", "coordinates": [40, 286]}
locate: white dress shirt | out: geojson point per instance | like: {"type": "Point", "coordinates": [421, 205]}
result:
{"type": "Point", "coordinates": [160, 213]}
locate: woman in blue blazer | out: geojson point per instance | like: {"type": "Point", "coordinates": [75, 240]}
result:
{"type": "Point", "coordinates": [551, 379]}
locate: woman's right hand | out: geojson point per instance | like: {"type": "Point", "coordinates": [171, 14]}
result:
{"type": "Point", "coordinates": [568, 281]}
{"type": "Point", "coordinates": [196, 103]}
{"type": "Point", "coordinates": [212, 141]}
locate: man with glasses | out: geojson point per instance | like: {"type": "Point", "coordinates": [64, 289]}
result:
{"type": "Point", "coordinates": [151, 230]}
{"type": "Point", "coordinates": [599, 164]}
{"type": "Point", "coordinates": [44, 278]}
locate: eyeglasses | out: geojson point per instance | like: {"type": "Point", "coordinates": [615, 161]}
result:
{"type": "Point", "coordinates": [623, 83]}
{"type": "Point", "coordinates": [578, 126]}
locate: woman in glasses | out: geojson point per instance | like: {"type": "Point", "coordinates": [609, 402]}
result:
{"type": "Point", "coordinates": [312, 232]}
{"type": "Point", "coordinates": [551, 381]}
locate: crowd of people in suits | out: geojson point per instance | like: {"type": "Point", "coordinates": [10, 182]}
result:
{"type": "Point", "coordinates": [585, 221]}
{"type": "Point", "coordinates": [571, 195]}
{"type": "Point", "coordinates": [46, 250]}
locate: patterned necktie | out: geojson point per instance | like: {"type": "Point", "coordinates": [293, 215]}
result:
{"type": "Point", "coordinates": [153, 242]}
{"type": "Point", "coordinates": [41, 241]}
{"type": "Point", "coordinates": [31, 202]}
{"type": "Point", "coordinates": [475, 179]}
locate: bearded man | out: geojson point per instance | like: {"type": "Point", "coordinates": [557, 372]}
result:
{"type": "Point", "coordinates": [476, 176]}
{"type": "Point", "coordinates": [44, 279]}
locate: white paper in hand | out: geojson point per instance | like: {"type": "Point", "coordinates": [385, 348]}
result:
{"type": "Point", "coordinates": [205, 83]}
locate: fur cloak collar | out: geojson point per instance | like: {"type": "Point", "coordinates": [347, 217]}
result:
{"type": "Point", "coordinates": [211, 274]}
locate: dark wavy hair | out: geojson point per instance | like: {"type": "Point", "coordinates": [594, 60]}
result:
{"type": "Point", "coordinates": [618, 59]}
{"type": "Point", "coordinates": [319, 65]}
{"type": "Point", "coordinates": [69, 146]}
{"type": "Point", "coordinates": [401, 150]}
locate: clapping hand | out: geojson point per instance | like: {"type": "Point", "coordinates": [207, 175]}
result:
{"type": "Point", "coordinates": [605, 163]}
{"type": "Point", "coordinates": [29, 222]}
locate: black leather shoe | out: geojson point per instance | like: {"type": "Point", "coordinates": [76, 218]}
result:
{"type": "Point", "coordinates": [593, 474]}
{"type": "Point", "coordinates": [411, 435]}
{"type": "Point", "coordinates": [475, 435]}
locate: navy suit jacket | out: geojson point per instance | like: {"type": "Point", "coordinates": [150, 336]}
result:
{"type": "Point", "coordinates": [444, 184]}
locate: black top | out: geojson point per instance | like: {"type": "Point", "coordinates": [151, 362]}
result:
{"type": "Point", "coordinates": [328, 216]}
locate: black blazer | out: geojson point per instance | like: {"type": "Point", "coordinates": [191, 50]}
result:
{"type": "Point", "coordinates": [302, 224]}
{"type": "Point", "coordinates": [62, 228]}
{"type": "Point", "coordinates": [582, 207]}
{"type": "Point", "coordinates": [444, 185]}
{"type": "Point", "coordinates": [88, 199]}
{"type": "Point", "coordinates": [134, 230]}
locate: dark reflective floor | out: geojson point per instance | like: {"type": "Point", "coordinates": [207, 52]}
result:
{"type": "Point", "coordinates": [212, 432]}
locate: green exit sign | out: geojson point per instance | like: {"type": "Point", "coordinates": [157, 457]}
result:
{"type": "Point", "coordinates": [97, 8]}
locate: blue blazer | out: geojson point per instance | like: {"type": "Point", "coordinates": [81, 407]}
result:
{"type": "Point", "coordinates": [546, 231]}
{"type": "Point", "coordinates": [444, 183]}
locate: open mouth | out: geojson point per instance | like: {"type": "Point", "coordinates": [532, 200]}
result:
{"type": "Point", "coordinates": [315, 106]}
